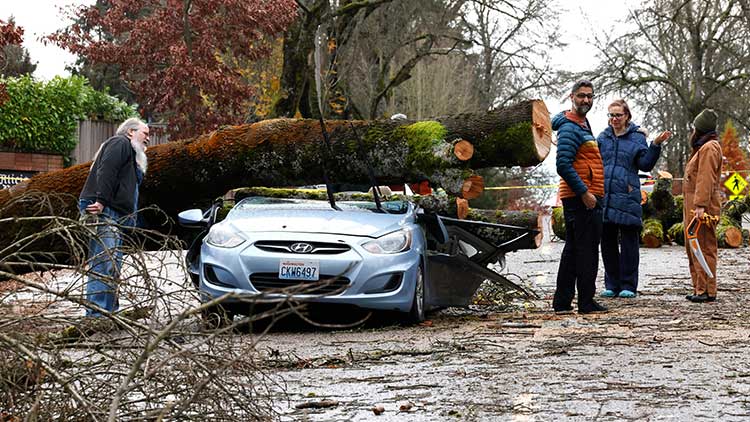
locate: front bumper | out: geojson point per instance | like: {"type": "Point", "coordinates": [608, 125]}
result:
{"type": "Point", "coordinates": [382, 282]}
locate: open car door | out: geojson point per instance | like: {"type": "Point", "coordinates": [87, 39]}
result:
{"type": "Point", "coordinates": [457, 267]}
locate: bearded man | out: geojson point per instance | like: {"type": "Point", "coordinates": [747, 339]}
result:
{"type": "Point", "coordinates": [580, 167]}
{"type": "Point", "coordinates": [110, 200]}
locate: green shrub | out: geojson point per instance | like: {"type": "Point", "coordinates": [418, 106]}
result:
{"type": "Point", "coordinates": [39, 116]}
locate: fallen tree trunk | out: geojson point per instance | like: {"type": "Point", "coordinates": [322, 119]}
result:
{"type": "Point", "coordinates": [441, 205]}
{"type": "Point", "coordinates": [291, 152]}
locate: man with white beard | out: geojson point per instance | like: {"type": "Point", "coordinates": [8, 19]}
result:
{"type": "Point", "coordinates": [110, 199]}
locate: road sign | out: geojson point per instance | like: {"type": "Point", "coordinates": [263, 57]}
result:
{"type": "Point", "coordinates": [735, 183]}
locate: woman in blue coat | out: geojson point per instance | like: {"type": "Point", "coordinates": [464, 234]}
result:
{"type": "Point", "coordinates": [624, 152]}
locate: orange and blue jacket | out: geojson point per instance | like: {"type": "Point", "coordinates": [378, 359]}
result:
{"type": "Point", "coordinates": [578, 160]}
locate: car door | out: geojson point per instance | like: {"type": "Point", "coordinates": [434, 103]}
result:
{"type": "Point", "coordinates": [457, 267]}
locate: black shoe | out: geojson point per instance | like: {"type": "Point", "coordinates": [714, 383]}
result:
{"type": "Point", "coordinates": [711, 299]}
{"type": "Point", "coordinates": [564, 311]}
{"type": "Point", "coordinates": [593, 308]}
{"type": "Point", "coordinates": [699, 298]}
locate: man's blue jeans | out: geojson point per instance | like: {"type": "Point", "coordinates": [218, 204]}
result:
{"type": "Point", "coordinates": [104, 258]}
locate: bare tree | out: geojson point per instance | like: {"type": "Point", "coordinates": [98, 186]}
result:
{"type": "Point", "coordinates": [513, 39]}
{"type": "Point", "coordinates": [681, 56]}
{"type": "Point", "coordinates": [439, 86]}
{"type": "Point", "coordinates": [387, 48]}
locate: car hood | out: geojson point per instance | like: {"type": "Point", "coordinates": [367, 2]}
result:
{"type": "Point", "coordinates": [320, 221]}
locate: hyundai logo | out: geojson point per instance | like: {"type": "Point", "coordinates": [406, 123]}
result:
{"type": "Point", "coordinates": [301, 247]}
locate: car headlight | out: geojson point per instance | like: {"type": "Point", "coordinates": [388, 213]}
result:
{"type": "Point", "coordinates": [224, 237]}
{"type": "Point", "coordinates": [391, 243]}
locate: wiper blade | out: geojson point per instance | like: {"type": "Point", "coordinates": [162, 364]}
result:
{"type": "Point", "coordinates": [370, 171]}
{"type": "Point", "coordinates": [326, 138]}
{"type": "Point", "coordinates": [326, 180]}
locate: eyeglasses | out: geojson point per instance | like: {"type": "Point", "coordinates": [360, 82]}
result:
{"type": "Point", "coordinates": [615, 115]}
{"type": "Point", "coordinates": [581, 96]}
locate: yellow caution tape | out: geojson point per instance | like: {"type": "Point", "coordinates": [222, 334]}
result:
{"type": "Point", "coordinates": [521, 187]}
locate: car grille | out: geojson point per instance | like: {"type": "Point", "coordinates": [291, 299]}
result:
{"type": "Point", "coordinates": [318, 248]}
{"type": "Point", "coordinates": [328, 284]}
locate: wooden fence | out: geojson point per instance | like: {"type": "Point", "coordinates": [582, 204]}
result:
{"type": "Point", "coordinates": [92, 133]}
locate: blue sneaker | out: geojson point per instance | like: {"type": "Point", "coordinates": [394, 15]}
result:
{"type": "Point", "coordinates": [626, 294]}
{"type": "Point", "coordinates": [607, 293]}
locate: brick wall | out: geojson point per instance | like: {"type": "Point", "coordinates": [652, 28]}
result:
{"type": "Point", "coordinates": [26, 161]}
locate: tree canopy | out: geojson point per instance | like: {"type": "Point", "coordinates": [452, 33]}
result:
{"type": "Point", "coordinates": [680, 57]}
{"type": "Point", "coordinates": [180, 57]}
{"type": "Point", "coordinates": [10, 33]}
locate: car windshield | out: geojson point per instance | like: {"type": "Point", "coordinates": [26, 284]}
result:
{"type": "Point", "coordinates": [258, 203]}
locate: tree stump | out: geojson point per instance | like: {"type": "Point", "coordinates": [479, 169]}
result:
{"type": "Point", "coordinates": [652, 235]}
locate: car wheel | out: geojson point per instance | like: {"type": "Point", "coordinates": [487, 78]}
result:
{"type": "Point", "coordinates": [417, 312]}
{"type": "Point", "coordinates": [216, 317]}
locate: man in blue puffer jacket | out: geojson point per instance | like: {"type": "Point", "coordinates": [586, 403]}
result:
{"type": "Point", "coordinates": [579, 165]}
{"type": "Point", "coordinates": [624, 152]}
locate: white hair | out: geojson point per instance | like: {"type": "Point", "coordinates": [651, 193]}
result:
{"type": "Point", "coordinates": [132, 123]}
{"type": "Point", "coordinates": [140, 155]}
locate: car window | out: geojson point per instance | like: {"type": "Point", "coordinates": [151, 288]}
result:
{"type": "Point", "coordinates": [256, 203]}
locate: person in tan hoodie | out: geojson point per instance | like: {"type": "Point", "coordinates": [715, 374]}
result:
{"type": "Point", "coordinates": [702, 194]}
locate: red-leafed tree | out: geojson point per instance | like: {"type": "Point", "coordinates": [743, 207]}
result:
{"type": "Point", "coordinates": [181, 57]}
{"type": "Point", "coordinates": [736, 158]}
{"type": "Point", "coordinates": [10, 34]}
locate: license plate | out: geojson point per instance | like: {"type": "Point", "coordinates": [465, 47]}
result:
{"type": "Point", "coordinates": [299, 270]}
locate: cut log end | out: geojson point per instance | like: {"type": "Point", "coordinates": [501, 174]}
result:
{"type": "Point", "coordinates": [542, 128]}
{"type": "Point", "coordinates": [463, 150]}
{"type": "Point", "coordinates": [651, 241]}
{"type": "Point", "coordinates": [664, 174]}
{"type": "Point", "coordinates": [472, 187]}
{"type": "Point", "coordinates": [732, 237]}
{"type": "Point", "coordinates": [462, 208]}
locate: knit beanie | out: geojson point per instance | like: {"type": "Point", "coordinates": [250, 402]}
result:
{"type": "Point", "coordinates": [705, 121]}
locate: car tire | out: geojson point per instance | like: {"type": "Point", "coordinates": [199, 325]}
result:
{"type": "Point", "coordinates": [216, 317]}
{"type": "Point", "coordinates": [195, 279]}
{"type": "Point", "coordinates": [417, 312]}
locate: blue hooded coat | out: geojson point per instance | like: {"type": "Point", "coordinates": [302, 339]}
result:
{"type": "Point", "coordinates": [623, 156]}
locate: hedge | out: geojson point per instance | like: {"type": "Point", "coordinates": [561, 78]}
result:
{"type": "Point", "coordinates": [39, 116]}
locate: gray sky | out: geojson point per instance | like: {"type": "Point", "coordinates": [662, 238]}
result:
{"type": "Point", "coordinates": [39, 18]}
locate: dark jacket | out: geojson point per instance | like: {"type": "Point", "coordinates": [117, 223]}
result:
{"type": "Point", "coordinates": [112, 181]}
{"type": "Point", "coordinates": [578, 161]}
{"type": "Point", "coordinates": [623, 156]}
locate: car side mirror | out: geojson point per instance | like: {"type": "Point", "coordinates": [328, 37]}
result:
{"type": "Point", "coordinates": [434, 226]}
{"type": "Point", "coordinates": [192, 218]}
